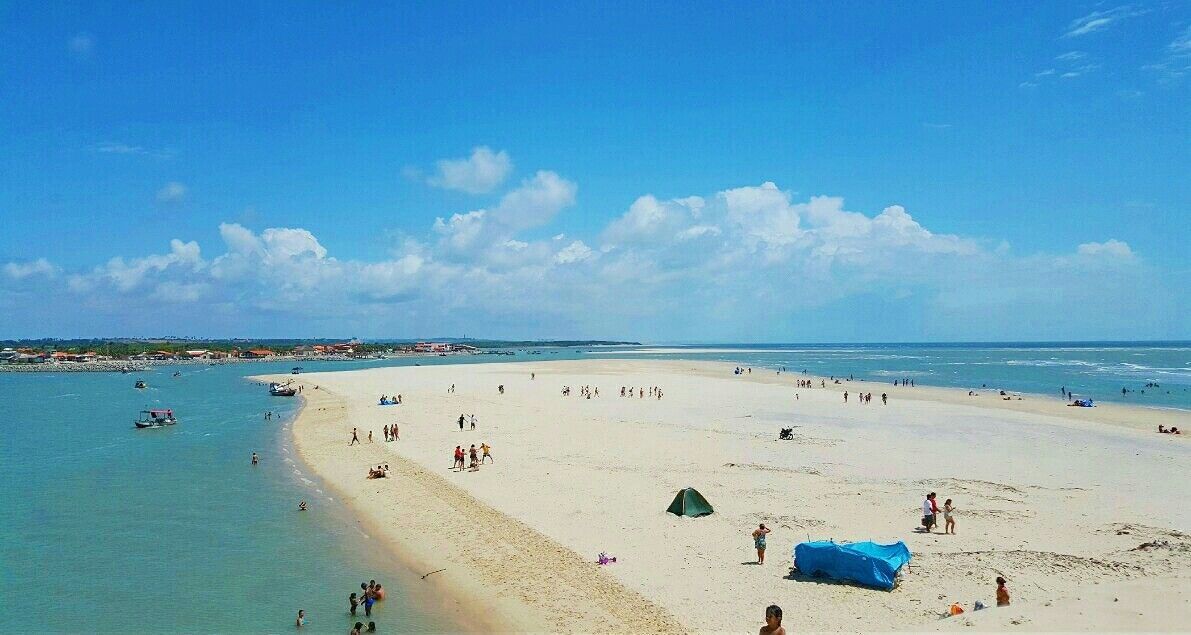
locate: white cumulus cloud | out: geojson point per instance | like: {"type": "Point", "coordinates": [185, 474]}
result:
{"type": "Point", "coordinates": [22, 270]}
{"type": "Point", "coordinates": [481, 172]}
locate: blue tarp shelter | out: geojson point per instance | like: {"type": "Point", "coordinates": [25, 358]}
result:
{"type": "Point", "coordinates": [866, 563]}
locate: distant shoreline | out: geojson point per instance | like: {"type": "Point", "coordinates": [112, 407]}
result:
{"type": "Point", "coordinates": [117, 365]}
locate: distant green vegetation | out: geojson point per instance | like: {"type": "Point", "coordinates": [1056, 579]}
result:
{"type": "Point", "coordinates": [121, 348]}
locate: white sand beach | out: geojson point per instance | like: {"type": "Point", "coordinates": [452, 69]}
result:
{"type": "Point", "coordinates": [1084, 511]}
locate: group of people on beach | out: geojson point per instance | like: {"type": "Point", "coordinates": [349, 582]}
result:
{"type": "Point", "coordinates": [380, 471]}
{"type": "Point", "coordinates": [930, 514]}
{"type": "Point", "coordinates": [864, 398]}
{"type": "Point", "coordinates": [388, 400]}
{"type": "Point", "coordinates": [1171, 430]}
{"type": "Point", "coordinates": [655, 392]}
{"type": "Point", "coordinates": [585, 392]}
{"type": "Point", "coordinates": [465, 419]}
{"type": "Point", "coordinates": [474, 455]}
{"type": "Point", "coordinates": [905, 383]}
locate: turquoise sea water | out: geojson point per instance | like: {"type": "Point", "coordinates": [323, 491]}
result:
{"type": "Point", "coordinates": [1098, 370]}
{"type": "Point", "coordinates": [108, 529]}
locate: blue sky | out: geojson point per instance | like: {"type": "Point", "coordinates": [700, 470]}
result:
{"type": "Point", "coordinates": [658, 172]}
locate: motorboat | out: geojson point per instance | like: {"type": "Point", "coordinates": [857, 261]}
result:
{"type": "Point", "coordinates": [155, 419]}
{"type": "Point", "coordinates": [296, 370]}
{"type": "Point", "coordinates": [140, 383]}
{"type": "Point", "coordinates": [282, 390]}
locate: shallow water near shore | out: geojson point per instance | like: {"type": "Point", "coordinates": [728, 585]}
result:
{"type": "Point", "coordinates": [112, 529]}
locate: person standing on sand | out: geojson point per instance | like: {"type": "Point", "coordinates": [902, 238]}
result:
{"type": "Point", "coordinates": [845, 396]}
{"type": "Point", "coordinates": [370, 436]}
{"type": "Point", "coordinates": [1002, 592]}
{"type": "Point", "coordinates": [473, 421]}
{"type": "Point", "coordinates": [458, 458]}
{"type": "Point", "coordinates": [948, 517]}
{"type": "Point", "coordinates": [486, 449]}
{"type": "Point", "coordinates": [461, 418]}
{"type": "Point", "coordinates": [475, 459]}
{"type": "Point", "coordinates": [773, 621]}
{"type": "Point", "coordinates": [928, 513]}
{"type": "Point", "coordinates": [355, 438]}
{"type": "Point", "coordinates": [759, 542]}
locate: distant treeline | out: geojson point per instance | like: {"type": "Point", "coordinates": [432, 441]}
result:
{"type": "Point", "coordinates": [127, 347]}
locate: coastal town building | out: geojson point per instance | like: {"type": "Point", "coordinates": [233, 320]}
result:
{"type": "Point", "coordinates": [256, 354]}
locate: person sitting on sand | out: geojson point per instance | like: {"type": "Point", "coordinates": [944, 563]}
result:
{"type": "Point", "coordinates": [1174, 430]}
{"type": "Point", "coordinates": [948, 517]}
{"type": "Point", "coordinates": [759, 542]}
{"type": "Point", "coordinates": [773, 621]}
{"type": "Point", "coordinates": [1002, 592]}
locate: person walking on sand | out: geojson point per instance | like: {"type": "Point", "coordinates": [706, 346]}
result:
{"type": "Point", "coordinates": [486, 449]}
{"type": "Point", "coordinates": [355, 438]}
{"type": "Point", "coordinates": [473, 421]}
{"type": "Point", "coordinates": [370, 436]}
{"type": "Point", "coordinates": [948, 517]}
{"type": "Point", "coordinates": [396, 432]}
{"type": "Point", "coordinates": [1002, 592]}
{"type": "Point", "coordinates": [773, 621]}
{"type": "Point", "coordinates": [928, 512]}
{"type": "Point", "coordinates": [461, 419]}
{"type": "Point", "coordinates": [759, 542]}
{"type": "Point", "coordinates": [458, 458]}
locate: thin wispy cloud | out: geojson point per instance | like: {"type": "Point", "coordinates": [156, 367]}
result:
{"type": "Point", "coordinates": [1071, 56]}
{"type": "Point", "coordinates": [1177, 61]}
{"type": "Point", "coordinates": [935, 126]}
{"type": "Point", "coordinates": [172, 192]}
{"type": "Point", "coordinates": [124, 148]}
{"type": "Point", "coordinates": [1101, 20]}
{"type": "Point", "coordinates": [81, 45]}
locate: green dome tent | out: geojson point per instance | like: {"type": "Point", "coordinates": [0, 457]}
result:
{"type": "Point", "coordinates": [689, 502]}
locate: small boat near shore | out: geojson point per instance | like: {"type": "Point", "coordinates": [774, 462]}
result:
{"type": "Point", "coordinates": [155, 419]}
{"type": "Point", "coordinates": [282, 390]}
{"type": "Point", "coordinates": [140, 383]}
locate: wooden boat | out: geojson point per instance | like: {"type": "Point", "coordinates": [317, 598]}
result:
{"type": "Point", "coordinates": [155, 419]}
